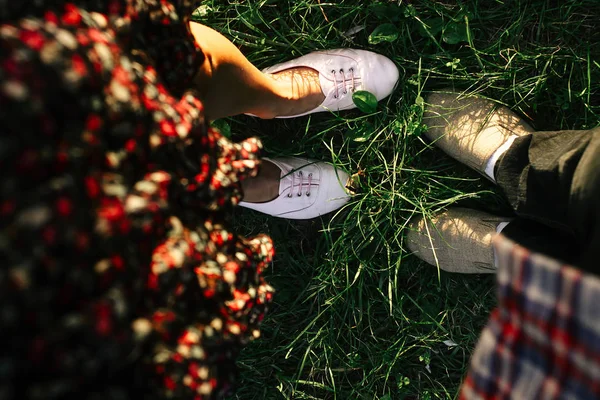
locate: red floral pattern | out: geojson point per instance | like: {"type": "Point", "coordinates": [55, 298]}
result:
{"type": "Point", "coordinates": [121, 275]}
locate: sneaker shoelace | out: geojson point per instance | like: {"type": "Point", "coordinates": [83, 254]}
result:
{"type": "Point", "coordinates": [343, 81]}
{"type": "Point", "coordinates": [301, 176]}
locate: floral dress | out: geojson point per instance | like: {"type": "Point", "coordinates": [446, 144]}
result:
{"type": "Point", "coordinates": [121, 277]}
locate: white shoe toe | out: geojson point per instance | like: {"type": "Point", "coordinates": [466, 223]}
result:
{"type": "Point", "coordinates": [381, 75]}
{"type": "Point", "coordinates": [332, 192]}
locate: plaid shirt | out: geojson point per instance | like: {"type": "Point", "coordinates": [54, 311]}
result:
{"type": "Point", "coordinates": [543, 340]}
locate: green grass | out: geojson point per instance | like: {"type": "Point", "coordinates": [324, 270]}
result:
{"type": "Point", "coordinates": [355, 316]}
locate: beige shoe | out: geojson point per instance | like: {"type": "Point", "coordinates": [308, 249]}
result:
{"type": "Point", "coordinates": [458, 240]}
{"type": "Point", "coordinates": [470, 129]}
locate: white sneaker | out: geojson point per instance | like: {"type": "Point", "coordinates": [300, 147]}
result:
{"type": "Point", "coordinates": [307, 189]}
{"type": "Point", "coordinates": [342, 72]}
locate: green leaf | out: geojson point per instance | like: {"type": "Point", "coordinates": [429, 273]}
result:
{"type": "Point", "coordinates": [384, 33]}
{"type": "Point", "coordinates": [363, 138]}
{"type": "Point", "coordinates": [362, 133]}
{"type": "Point", "coordinates": [380, 10]}
{"type": "Point", "coordinates": [454, 64]}
{"type": "Point", "coordinates": [365, 101]}
{"type": "Point", "coordinates": [223, 126]}
{"type": "Point", "coordinates": [202, 11]}
{"type": "Point", "coordinates": [403, 381]}
{"type": "Point", "coordinates": [386, 397]}
{"type": "Point", "coordinates": [432, 25]}
{"type": "Point", "coordinates": [410, 11]}
{"type": "Point", "coordinates": [455, 33]}
{"type": "Point", "coordinates": [385, 11]}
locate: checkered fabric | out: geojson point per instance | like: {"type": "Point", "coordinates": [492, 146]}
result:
{"type": "Point", "coordinates": [543, 339]}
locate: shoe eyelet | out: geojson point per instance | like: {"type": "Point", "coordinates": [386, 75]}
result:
{"type": "Point", "coordinates": [310, 175]}
{"type": "Point", "coordinates": [299, 173]}
{"type": "Point", "coordinates": [333, 71]}
{"type": "Point", "coordinates": [307, 194]}
{"type": "Point", "coordinates": [341, 71]}
{"type": "Point", "coordinates": [345, 92]}
{"type": "Point", "coordinates": [351, 69]}
{"type": "Point", "coordinates": [289, 195]}
{"type": "Point", "coordinates": [299, 194]}
{"type": "Point", "coordinates": [335, 97]}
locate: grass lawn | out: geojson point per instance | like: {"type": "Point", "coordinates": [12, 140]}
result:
{"type": "Point", "coordinates": [355, 316]}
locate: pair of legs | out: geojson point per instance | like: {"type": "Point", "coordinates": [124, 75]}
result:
{"type": "Point", "coordinates": [229, 85]}
{"type": "Point", "coordinates": [551, 179]}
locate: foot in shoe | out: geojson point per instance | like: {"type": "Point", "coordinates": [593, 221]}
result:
{"type": "Point", "coordinates": [330, 77]}
{"type": "Point", "coordinates": [458, 240]}
{"type": "Point", "coordinates": [307, 189]}
{"type": "Point", "coordinates": [470, 129]}
{"type": "Point", "coordinates": [299, 89]}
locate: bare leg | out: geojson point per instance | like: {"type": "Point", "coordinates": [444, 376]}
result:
{"type": "Point", "coordinates": [229, 84]}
